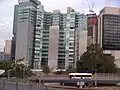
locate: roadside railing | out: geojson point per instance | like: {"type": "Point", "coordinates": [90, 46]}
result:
{"type": "Point", "coordinates": [8, 85]}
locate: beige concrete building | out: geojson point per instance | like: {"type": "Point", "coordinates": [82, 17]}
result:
{"type": "Point", "coordinates": [7, 49]}
{"type": "Point", "coordinates": [108, 18]}
{"type": "Point", "coordinates": [117, 58]}
{"type": "Point", "coordinates": [53, 47]}
{"type": "Point", "coordinates": [80, 43]}
{"type": "Point", "coordinates": [109, 31]}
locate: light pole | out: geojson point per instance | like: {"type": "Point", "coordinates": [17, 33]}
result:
{"type": "Point", "coordinates": [24, 69]}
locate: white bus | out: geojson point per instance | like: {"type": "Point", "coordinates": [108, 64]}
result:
{"type": "Point", "coordinates": [80, 75]}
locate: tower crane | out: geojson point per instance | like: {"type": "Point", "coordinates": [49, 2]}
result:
{"type": "Point", "coordinates": [91, 7]}
{"type": "Point", "coordinates": [93, 21]}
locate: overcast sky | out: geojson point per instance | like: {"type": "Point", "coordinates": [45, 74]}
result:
{"type": "Point", "coordinates": [7, 11]}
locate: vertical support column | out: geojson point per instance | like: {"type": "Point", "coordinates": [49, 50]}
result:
{"type": "Point", "coordinates": [62, 86]}
{"type": "Point", "coordinates": [95, 84]}
{"type": "Point", "coordinates": [3, 84]}
{"type": "Point", "coordinates": [16, 85]}
{"type": "Point", "coordinates": [30, 86]}
{"type": "Point", "coordinates": [46, 88]}
{"type": "Point", "coordinates": [81, 85]}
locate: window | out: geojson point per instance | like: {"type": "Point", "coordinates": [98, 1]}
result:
{"type": "Point", "coordinates": [71, 51]}
{"type": "Point", "coordinates": [45, 39]}
{"type": "Point", "coordinates": [37, 42]}
{"type": "Point", "coordinates": [37, 54]}
{"type": "Point", "coordinates": [61, 55]}
{"type": "Point", "coordinates": [71, 27]}
{"type": "Point", "coordinates": [45, 47]}
{"type": "Point", "coordinates": [61, 47]}
{"type": "Point", "coordinates": [72, 16]}
{"type": "Point", "coordinates": [71, 47]}
{"type": "Point", "coordinates": [70, 59]}
{"type": "Point", "coordinates": [71, 32]}
{"type": "Point", "coordinates": [38, 25]}
{"type": "Point", "coordinates": [61, 51]}
{"type": "Point", "coordinates": [71, 44]}
{"type": "Point", "coordinates": [71, 55]}
{"type": "Point", "coordinates": [44, 54]}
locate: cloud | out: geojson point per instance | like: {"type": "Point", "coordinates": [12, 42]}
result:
{"type": "Point", "coordinates": [2, 1]}
{"type": "Point", "coordinates": [78, 5]}
{"type": "Point", "coordinates": [1, 24]}
{"type": "Point", "coordinates": [6, 20]}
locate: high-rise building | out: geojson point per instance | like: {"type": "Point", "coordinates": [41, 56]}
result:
{"type": "Point", "coordinates": [1, 56]}
{"type": "Point", "coordinates": [7, 48]}
{"type": "Point", "coordinates": [92, 29]}
{"type": "Point", "coordinates": [109, 31]}
{"type": "Point", "coordinates": [60, 43]}
{"type": "Point", "coordinates": [4, 56]}
{"type": "Point", "coordinates": [109, 28]}
{"type": "Point", "coordinates": [47, 22]}
{"type": "Point", "coordinates": [47, 38]}
{"type": "Point", "coordinates": [38, 34]}
{"type": "Point", "coordinates": [13, 47]}
{"type": "Point", "coordinates": [27, 31]}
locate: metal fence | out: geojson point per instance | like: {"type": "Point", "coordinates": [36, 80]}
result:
{"type": "Point", "coordinates": [7, 85]}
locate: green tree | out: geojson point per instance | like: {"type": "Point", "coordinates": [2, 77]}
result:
{"type": "Point", "coordinates": [15, 69]}
{"type": "Point", "coordinates": [70, 70]}
{"type": "Point", "coordinates": [61, 72]}
{"type": "Point", "coordinates": [20, 70]}
{"type": "Point", "coordinates": [5, 65]}
{"type": "Point", "coordinates": [94, 60]}
{"type": "Point", "coordinates": [46, 69]}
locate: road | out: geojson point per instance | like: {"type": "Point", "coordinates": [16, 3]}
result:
{"type": "Point", "coordinates": [6, 85]}
{"type": "Point", "coordinates": [100, 79]}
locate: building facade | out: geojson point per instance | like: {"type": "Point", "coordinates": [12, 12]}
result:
{"type": "Point", "coordinates": [47, 38]}
{"type": "Point", "coordinates": [7, 48]}
{"type": "Point", "coordinates": [26, 30]}
{"type": "Point", "coordinates": [69, 25]}
{"type": "Point", "coordinates": [92, 33]}
{"type": "Point", "coordinates": [109, 31]}
{"type": "Point", "coordinates": [108, 28]}
{"type": "Point", "coordinates": [1, 56]}
{"type": "Point", "coordinates": [4, 56]}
